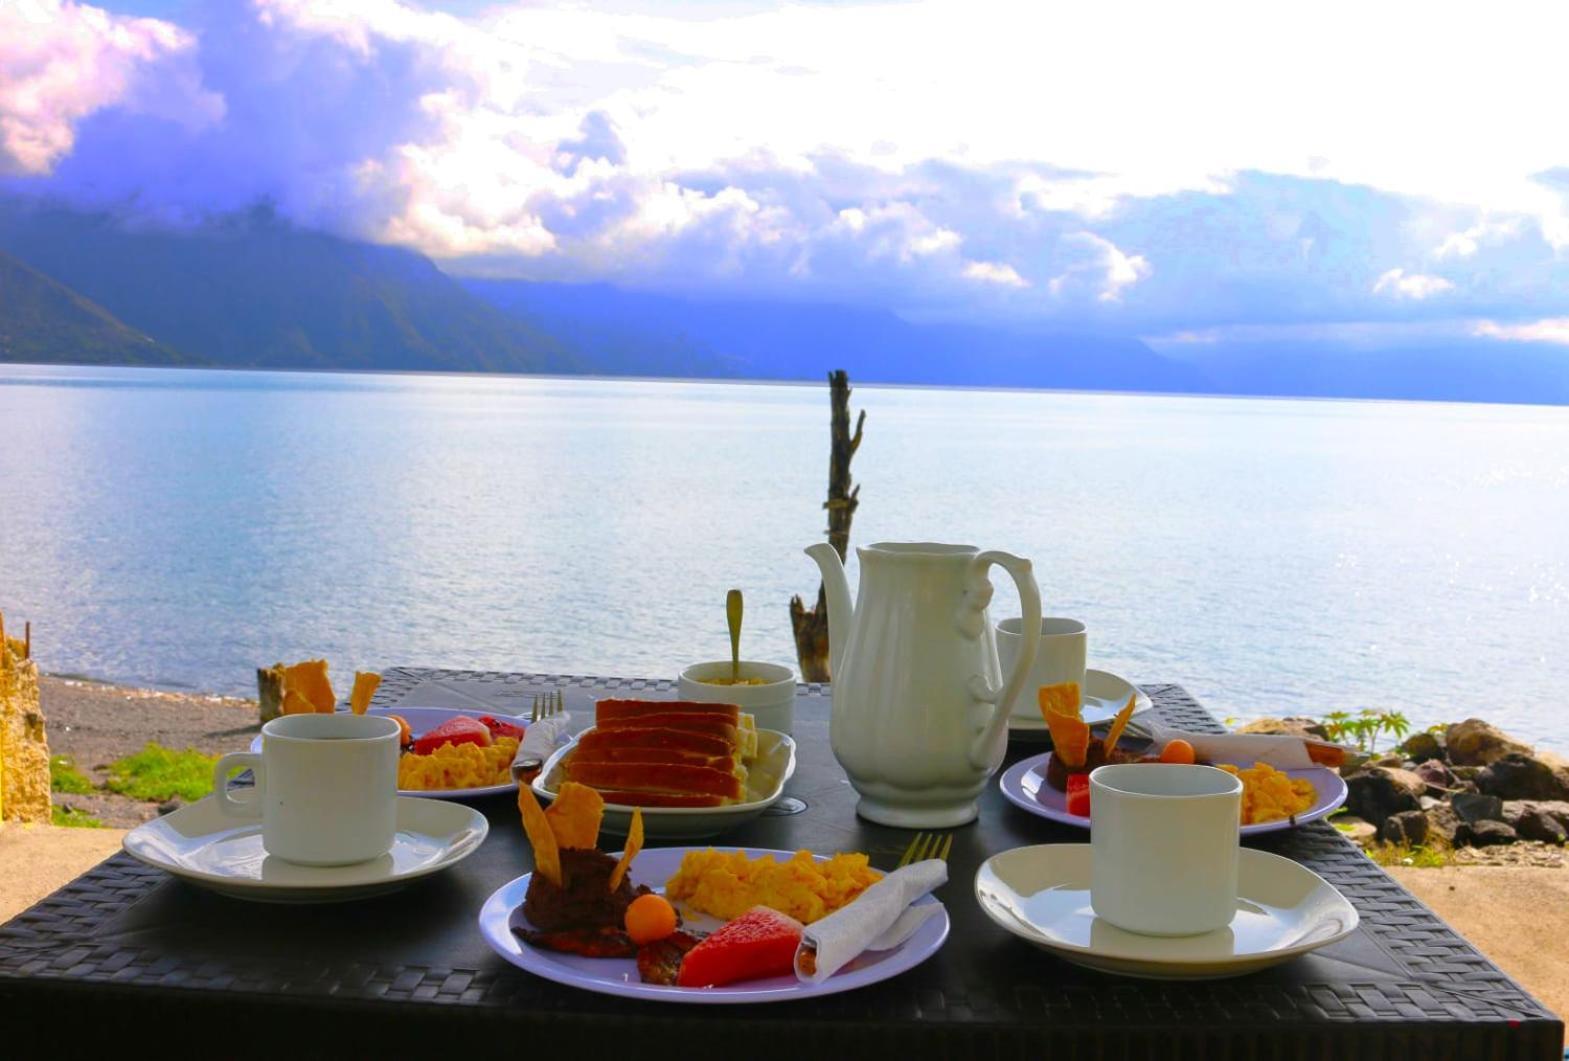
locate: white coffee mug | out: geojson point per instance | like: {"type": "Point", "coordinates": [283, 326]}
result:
{"type": "Point", "coordinates": [326, 787]}
{"type": "Point", "coordinates": [1064, 648]}
{"type": "Point", "coordinates": [771, 703]}
{"type": "Point", "coordinates": [1163, 847]}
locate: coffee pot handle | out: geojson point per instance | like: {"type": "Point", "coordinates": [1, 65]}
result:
{"type": "Point", "coordinates": [1023, 575]}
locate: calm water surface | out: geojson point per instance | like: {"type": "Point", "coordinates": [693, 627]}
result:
{"type": "Point", "coordinates": [177, 528]}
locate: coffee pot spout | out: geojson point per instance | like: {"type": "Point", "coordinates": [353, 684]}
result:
{"type": "Point", "coordinates": [836, 589]}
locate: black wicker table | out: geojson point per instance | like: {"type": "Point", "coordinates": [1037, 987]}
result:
{"type": "Point", "coordinates": [129, 961]}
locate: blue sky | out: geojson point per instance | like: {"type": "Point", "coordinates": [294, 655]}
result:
{"type": "Point", "coordinates": [1186, 173]}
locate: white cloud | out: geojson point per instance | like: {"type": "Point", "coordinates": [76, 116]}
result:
{"type": "Point", "coordinates": [1000, 273]}
{"type": "Point", "coordinates": [61, 61]}
{"type": "Point", "coordinates": [1550, 330]}
{"type": "Point", "coordinates": [1102, 265]}
{"type": "Point", "coordinates": [1398, 283]}
{"type": "Point", "coordinates": [1465, 243]}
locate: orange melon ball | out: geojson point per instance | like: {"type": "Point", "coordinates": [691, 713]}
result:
{"type": "Point", "coordinates": [1177, 751]}
{"type": "Point", "coordinates": [650, 918]}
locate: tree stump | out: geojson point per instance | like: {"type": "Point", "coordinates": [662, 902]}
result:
{"type": "Point", "coordinates": [810, 625]}
{"type": "Point", "coordinates": [24, 746]}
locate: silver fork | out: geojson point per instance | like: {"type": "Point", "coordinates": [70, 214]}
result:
{"type": "Point", "coordinates": [531, 758]}
{"type": "Point", "coordinates": [546, 705]}
{"type": "Point", "coordinates": [927, 845]}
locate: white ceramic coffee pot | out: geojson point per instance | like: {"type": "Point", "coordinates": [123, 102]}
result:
{"type": "Point", "coordinates": [920, 710]}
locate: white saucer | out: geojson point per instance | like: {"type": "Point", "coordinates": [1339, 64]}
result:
{"type": "Point", "coordinates": [1103, 695]}
{"type": "Point", "coordinates": [1041, 894]}
{"type": "Point", "coordinates": [765, 781]}
{"type": "Point", "coordinates": [207, 847]}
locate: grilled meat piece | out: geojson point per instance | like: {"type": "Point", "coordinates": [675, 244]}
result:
{"type": "Point", "coordinates": [584, 942]}
{"type": "Point", "coordinates": [660, 962]}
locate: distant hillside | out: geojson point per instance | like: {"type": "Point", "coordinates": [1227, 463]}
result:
{"type": "Point", "coordinates": [44, 321]}
{"type": "Point", "coordinates": [257, 292]}
{"type": "Point", "coordinates": [636, 332]}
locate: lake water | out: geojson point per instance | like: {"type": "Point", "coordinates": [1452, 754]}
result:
{"type": "Point", "coordinates": [177, 528]}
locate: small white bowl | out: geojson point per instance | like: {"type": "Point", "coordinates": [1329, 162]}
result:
{"type": "Point", "coordinates": [772, 705]}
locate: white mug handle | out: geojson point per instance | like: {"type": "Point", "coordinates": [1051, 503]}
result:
{"type": "Point", "coordinates": [238, 808]}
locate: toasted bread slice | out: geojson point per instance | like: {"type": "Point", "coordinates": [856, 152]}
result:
{"type": "Point", "coordinates": [662, 799]}
{"type": "Point", "coordinates": [673, 756]}
{"type": "Point", "coordinates": [653, 777]}
{"type": "Point", "coordinates": [690, 721]}
{"type": "Point", "coordinates": [608, 710]}
{"type": "Point", "coordinates": [659, 737]}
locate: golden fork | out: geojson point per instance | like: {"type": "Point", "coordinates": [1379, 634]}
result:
{"type": "Point", "coordinates": [546, 705]}
{"type": "Point", "coordinates": [927, 845]}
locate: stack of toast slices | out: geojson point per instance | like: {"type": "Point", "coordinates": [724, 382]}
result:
{"type": "Point", "coordinates": [665, 753]}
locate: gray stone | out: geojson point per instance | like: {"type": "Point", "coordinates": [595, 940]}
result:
{"type": "Point", "coordinates": [1516, 776]}
{"type": "Point", "coordinates": [1408, 827]}
{"type": "Point", "coordinates": [1477, 743]}
{"type": "Point", "coordinates": [1473, 807]}
{"type": "Point", "coordinates": [1356, 830]}
{"type": "Point", "coordinates": [1379, 792]}
{"type": "Point", "coordinates": [1485, 834]}
{"type": "Point", "coordinates": [1437, 776]}
{"type": "Point", "coordinates": [1515, 809]}
{"type": "Point", "coordinates": [1424, 746]}
{"type": "Point", "coordinates": [1537, 824]}
{"type": "Point", "coordinates": [1443, 823]}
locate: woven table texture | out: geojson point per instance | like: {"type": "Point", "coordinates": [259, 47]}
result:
{"type": "Point", "coordinates": [410, 969]}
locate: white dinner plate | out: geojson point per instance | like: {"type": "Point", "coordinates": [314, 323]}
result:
{"type": "Point", "coordinates": [422, 720]}
{"type": "Point", "coordinates": [618, 976]}
{"type": "Point", "coordinates": [202, 844]}
{"type": "Point", "coordinates": [1101, 697]}
{"type": "Point", "coordinates": [1041, 894]}
{"type": "Point", "coordinates": [765, 781]}
{"type": "Point", "coordinates": [1024, 785]}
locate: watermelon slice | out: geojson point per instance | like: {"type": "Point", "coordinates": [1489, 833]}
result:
{"type": "Point", "coordinates": [460, 730]}
{"type": "Point", "coordinates": [760, 943]}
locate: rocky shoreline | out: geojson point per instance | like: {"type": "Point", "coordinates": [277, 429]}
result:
{"type": "Point", "coordinates": [1460, 788]}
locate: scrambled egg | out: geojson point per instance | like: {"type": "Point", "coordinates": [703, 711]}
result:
{"type": "Point", "coordinates": [727, 884]}
{"type": "Point", "coordinates": [459, 766]}
{"type": "Point", "coordinates": [1269, 795]}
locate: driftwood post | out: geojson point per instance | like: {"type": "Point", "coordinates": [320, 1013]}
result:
{"type": "Point", "coordinates": [811, 625]}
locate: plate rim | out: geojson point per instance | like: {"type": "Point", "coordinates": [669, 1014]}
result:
{"type": "Point", "coordinates": [495, 910]}
{"type": "Point", "coordinates": [440, 793]}
{"type": "Point", "coordinates": [1031, 724]}
{"type": "Point", "coordinates": [1010, 784]}
{"type": "Point", "coordinates": [1039, 938]}
{"type": "Point", "coordinates": [755, 806]}
{"type": "Point", "coordinates": [474, 835]}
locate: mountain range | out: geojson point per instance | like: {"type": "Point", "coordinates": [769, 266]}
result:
{"type": "Point", "coordinates": [255, 291]}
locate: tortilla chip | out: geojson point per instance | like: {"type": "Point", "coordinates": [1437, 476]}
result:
{"type": "Point", "coordinates": [1070, 739]}
{"type": "Point", "coordinates": [634, 845]}
{"type": "Point", "coordinates": [365, 685]}
{"type": "Point", "coordinates": [574, 816]}
{"type": "Point", "coordinates": [293, 703]}
{"type": "Point", "coordinates": [1120, 723]}
{"type": "Point", "coordinates": [1059, 699]}
{"type": "Point", "coordinates": [309, 679]}
{"type": "Point", "coordinates": [547, 856]}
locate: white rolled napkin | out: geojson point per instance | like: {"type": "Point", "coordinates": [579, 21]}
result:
{"type": "Point", "coordinates": [540, 741]}
{"type": "Point", "coordinates": [880, 918]}
{"type": "Point", "coordinates": [1280, 751]}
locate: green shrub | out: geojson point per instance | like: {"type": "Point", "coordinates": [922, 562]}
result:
{"type": "Point", "coordinates": [72, 818]}
{"type": "Point", "coordinates": [65, 777]}
{"type": "Point", "coordinates": [159, 773]}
